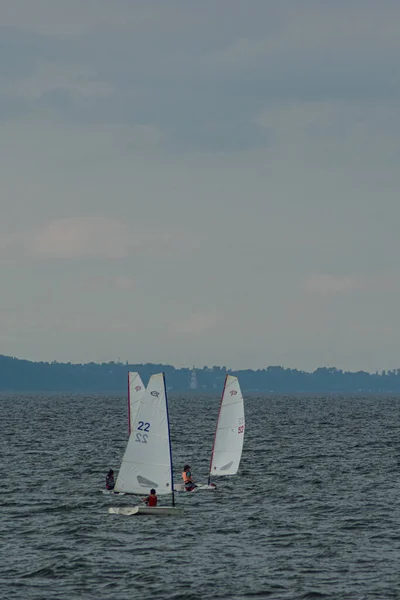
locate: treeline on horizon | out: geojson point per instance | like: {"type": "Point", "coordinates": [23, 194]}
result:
{"type": "Point", "coordinates": [23, 375]}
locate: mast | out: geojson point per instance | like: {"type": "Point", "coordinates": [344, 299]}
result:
{"type": "Point", "coordinates": [216, 429]}
{"type": "Point", "coordinates": [129, 404]}
{"type": "Point", "coordinates": [169, 441]}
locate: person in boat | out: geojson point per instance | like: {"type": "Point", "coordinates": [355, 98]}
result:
{"type": "Point", "coordinates": [188, 479]}
{"type": "Point", "coordinates": [110, 482]}
{"type": "Point", "coordinates": [151, 500]}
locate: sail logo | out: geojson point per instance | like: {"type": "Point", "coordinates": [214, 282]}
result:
{"type": "Point", "coordinates": [156, 394]}
{"type": "Point", "coordinates": [137, 388]}
{"type": "Point", "coordinates": [233, 392]}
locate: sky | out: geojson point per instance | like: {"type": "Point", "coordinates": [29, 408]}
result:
{"type": "Point", "coordinates": [201, 183]}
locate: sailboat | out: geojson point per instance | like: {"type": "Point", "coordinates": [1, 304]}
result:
{"type": "Point", "coordinates": [147, 462]}
{"type": "Point", "coordinates": [229, 435]}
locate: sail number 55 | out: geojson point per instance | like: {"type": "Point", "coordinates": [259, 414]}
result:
{"type": "Point", "coordinates": [241, 429]}
{"type": "Point", "coordinates": [143, 428]}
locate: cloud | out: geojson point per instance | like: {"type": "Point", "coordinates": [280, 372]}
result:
{"type": "Point", "coordinates": [80, 237]}
{"type": "Point", "coordinates": [80, 322]}
{"type": "Point", "coordinates": [239, 53]}
{"type": "Point", "coordinates": [124, 283]}
{"type": "Point", "coordinates": [74, 18]}
{"type": "Point", "coordinates": [295, 31]}
{"type": "Point", "coordinates": [330, 284]}
{"type": "Point", "coordinates": [203, 73]}
{"type": "Point", "coordinates": [90, 237]}
{"type": "Point", "coordinates": [204, 171]}
{"type": "Point", "coordinates": [79, 81]}
{"type": "Point", "coordinates": [198, 323]}
{"type": "Point", "coordinates": [301, 116]}
{"type": "Point", "coordinates": [381, 282]}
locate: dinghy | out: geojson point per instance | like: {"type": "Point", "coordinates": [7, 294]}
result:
{"type": "Point", "coordinates": [229, 434]}
{"type": "Point", "coordinates": [147, 462]}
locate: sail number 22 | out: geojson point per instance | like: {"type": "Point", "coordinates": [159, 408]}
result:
{"type": "Point", "coordinates": [141, 434]}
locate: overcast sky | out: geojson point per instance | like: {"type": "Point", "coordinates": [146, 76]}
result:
{"type": "Point", "coordinates": [208, 183]}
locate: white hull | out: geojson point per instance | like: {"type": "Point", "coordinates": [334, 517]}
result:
{"type": "Point", "coordinates": [145, 510]}
{"type": "Point", "coordinates": [179, 487]}
{"type": "Point", "coordinates": [111, 492]}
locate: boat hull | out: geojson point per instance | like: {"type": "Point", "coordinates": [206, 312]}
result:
{"type": "Point", "coordinates": [180, 487]}
{"type": "Point", "coordinates": [146, 510]}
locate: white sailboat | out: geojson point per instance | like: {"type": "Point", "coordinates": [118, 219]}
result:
{"type": "Point", "coordinates": [136, 389]}
{"type": "Point", "coordinates": [229, 435]}
{"type": "Point", "coordinates": [147, 462]}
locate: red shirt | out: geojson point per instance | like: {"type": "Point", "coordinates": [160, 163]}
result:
{"type": "Point", "coordinates": [151, 500]}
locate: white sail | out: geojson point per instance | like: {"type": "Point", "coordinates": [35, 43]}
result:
{"type": "Point", "coordinates": [136, 390]}
{"type": "Point", "coordinates": [229, 435]}
{"type": "Point", "coordinates": [147, 460]}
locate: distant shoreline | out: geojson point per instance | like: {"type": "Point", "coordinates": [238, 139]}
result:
{"type": "Point", "coordinates": [201, 394]}
{"type": "Point", "coordinates": [18, 375]}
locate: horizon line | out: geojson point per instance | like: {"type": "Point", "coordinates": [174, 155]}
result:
{"type": "Point", "coordinates": [193, 367]}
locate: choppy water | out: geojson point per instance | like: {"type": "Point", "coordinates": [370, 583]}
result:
{"type": "Point", "coordinates": [314, 512]}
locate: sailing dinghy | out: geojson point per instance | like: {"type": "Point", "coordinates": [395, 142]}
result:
{"type": "Point", "coordinates": [229, 435]}
{"type": "Point", "coordinates": [147, 462]}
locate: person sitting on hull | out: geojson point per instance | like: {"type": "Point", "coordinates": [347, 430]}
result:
{"type": "Point", "coordinates": [188, 479]}
{"type": "Point", "coordinates": [152, 499]}
{"type": "Point", "coordinates": [110, 482]}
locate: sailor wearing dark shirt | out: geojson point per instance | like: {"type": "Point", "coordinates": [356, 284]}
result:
{"type": "Point", "coordinates": [110, 483]}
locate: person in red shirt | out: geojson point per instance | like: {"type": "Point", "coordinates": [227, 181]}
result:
{"type": "Point", "coordinates": [152, 499]}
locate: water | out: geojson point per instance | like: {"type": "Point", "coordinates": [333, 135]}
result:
{"type": "Point", "coordinates": [314, 512]}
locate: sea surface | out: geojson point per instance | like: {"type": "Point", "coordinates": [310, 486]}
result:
{"type": "Point", "coordinates": [313, 513]}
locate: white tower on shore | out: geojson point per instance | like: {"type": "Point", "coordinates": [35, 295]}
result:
{"type": "Point", "coordinates": [193, 380]}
